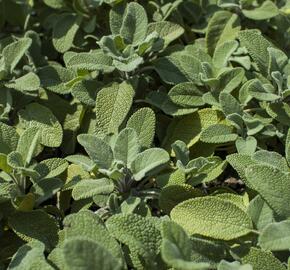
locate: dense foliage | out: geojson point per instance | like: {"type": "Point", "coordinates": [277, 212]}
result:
{"type": "Point", "coordinates": [144, 134]}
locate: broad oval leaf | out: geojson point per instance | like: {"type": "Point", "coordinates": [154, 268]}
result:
{"type": "Point", "coordinates": [212, 217]}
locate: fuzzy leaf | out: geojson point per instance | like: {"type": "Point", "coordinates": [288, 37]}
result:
{"type": "Point", "coordinates": [268, 182]}
{"type": "Point", "coordinates": [223, 26]}
{"type": "Point", "coordinates": [85, 254]}
{"type": "Point", "coordinates": [8, 138]}
{"type": "Point", "coordinates": [13, 53]}
{"type": "Point", "coordinates": [38, 116]}
{"type": "Point", "coordinates": [168, 31]}
{"type": "Point", "coordinates": [113, 105]}
{"type": "Point", "coordinates": [98, 150]}
{"type": "Point", "coordinates": [35, 225]}
{"type": "Point", "coordinates": [64, 32]}
{"type": "Point", "coordinates": [257, 47]}
{"type": "Point", "coordinates": [261, 259]}
{"type": "Point", "coordinates": [138, 233]}
{"type": "Point", "coordinates": [29, 256]}
{"type": "Point", "coordinates": [266, 11]}
{"type": "Point", "coordinates": [176, 248]}
{"type": "Point", "coordinates": [143, 122]}
{"type": "Point", "coordinates": [276, 236]}
{"type": "Point", "coordinates": [150, 160]}
{"type": "Point", "coordinates": [88, 188]}
{"type": "Point", "coordinates": [218, 134]}
{"type": "Point", "coordinates": [126, 146]}
{"type": "Point", "coordinates": [209, 216]}
{"type": "Point", "coordinates": [134, 25]}
{"type": "Point", "coordinates": [28, 82]}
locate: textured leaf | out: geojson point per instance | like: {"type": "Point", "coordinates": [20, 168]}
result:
{"type": "Point", "coordinates": [260, 259]}
{"type": "Point", "coordinates": [55, 78]}
{"type": "Point", "coordinates": [28, 82]}
{"type": "Point", "coordinates": [172, 195]}
{"type": "Point", "coordinates": [218, 134]}
{"type": "Point", "coordinates": [35, 225]}
{"type": "Point", "coordinates": [134, 25]}
{"type": "Point", "coordinates": [46, 188]}
{"type": "Point", "coordinates": [51, 167]}
{"type": "Point", "coordinates": [126, 146]}
{"type": "Point", "coordinates": [178, 67]}
{"type": "Point", "coordinates": [87, 188]}
{"type": "Point", "coordinates": [176, 248]}
{"type": "Point", "coordinates": [28, 257]}
{"type": "Point", "coordinates": [36, 115]}
{"type": "Point", "coordinates": [28, 143]}
{"type": "Point", "coordinates": [257, 47]}
{"type": "Point", "coordinates": [150, 160]}
{"type": "Point", "coordinates": [113, 105]}
{"type": "Point", "coordinates": [258, 91]}
{"type": "Point", "coordinates": [138, 233]}
{"type": "Point", "coordinates": [276, 236]}
{"type": "Point", "coordinates": [223, 26]}
{"type": "Point", "coordinates": [143, 122]}
{"type": "Point", "coordinates": [91, 61]}
{"type": "Point", "coordinates": [266, 11]}
{"type": "Point", "coordinates": [86, 92]}
{"type": "Point", "coordinates": [168, 31]}
{"type": "Point", "coordinates": [186, 95]}
{"type": "Point", "coordinates": [13, 53]}
{"type": "Point", "coordinates": [268, 182]}
{"type": "Point", "coordinates": [64, 32]}
{"type": "Point", "coordinates": [229, 104]}
{"type": "Point", "coordinates": [246, 146]}
{"type": "Point", "coordinates": [260, 213]}
{"type": "Point", "coordinates": [223, 52]}
{"type": "Point", "coordinates": [188, 128]}
{"type": "Point", "coordinates": [85, 254]}
{"type": "Point", "coordinates": [87, 224]}
{"type": "Point", "coordinates": [8, 138]}
{"type": "Point", "coordinates": [209, 216]}
{"type": "Point", "coordinates": [99, 151]}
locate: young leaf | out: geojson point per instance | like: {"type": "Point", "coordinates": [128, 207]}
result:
{"type": "Point", "coordinates": [223, 26]}
{"type": "Point", "coordinates": [38, 116]}
{"type": "Point", "coordinates": [143, 122]}
{"type": "Point", "coordinates": [28, 144]}
{"type": "Point", "coordinates": [266, 11]}
{"type": "Point", "coordinates": [64, 32]}
{"type": "Point", "coordinates": [14, 52]}
{"type": "Point", "coordinates": [257, 47]}
{"type": "Point", "coordinates": [276, 236]}
{"type": "Point", "coordinates": [98, 150]}
{"type": "Point", "coordinates": [88, 188]}
{"type": "Point", "coordinates": [28, 82]}
{"type": "Point", "coordinates": [8, 138]}
{"type": "Point", "coordinates": [246, 146]}
{"type": "Point", "coordinates": [134, 25]}
{"type": "Point", "coordinates": [209, 217]}
{"type": "Point", "coordinates": [168, 31]}
{"type": "Point", "coordinates": [126, 146]}
{"type": "Point", "coordinates": [113, 105]}
{"type": "Point", "coordinates": [150, 160]}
